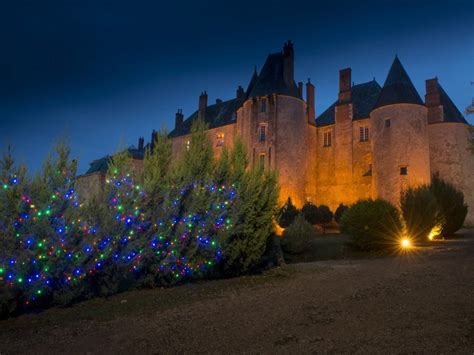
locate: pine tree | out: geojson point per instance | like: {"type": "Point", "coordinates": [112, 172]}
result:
{"type": "Point", "coordinates": [252, 213]}
{"type": "Point", "coordinates": [46, 228]}
{"type": "Point", "coordinates": [13, 182]}
{"type": "Point", "coordinates": [197, 162]}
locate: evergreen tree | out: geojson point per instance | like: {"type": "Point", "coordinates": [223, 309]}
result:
{"type": "Point", "coordinates": [288, 214]}
{"type": "Point", "coordinates": [223, 167]}
{"type": "Point", "coordinates": [197, 162]}
{"type": "Point", "coordinates": [253, 213]}
{"type": "Point", "coordinates": [12, 188]}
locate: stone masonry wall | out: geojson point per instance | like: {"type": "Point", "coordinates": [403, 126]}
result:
{"type": "Point", "coordinates": [403, 144]}
{"type": "Point", "coordinates": [450, 158]}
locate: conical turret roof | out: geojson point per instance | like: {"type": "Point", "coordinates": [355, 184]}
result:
{"type": "Point", "coordinates": [398, 88]}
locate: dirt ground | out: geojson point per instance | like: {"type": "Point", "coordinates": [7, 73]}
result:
{"type": "Point", "coordinates": [419, 302]}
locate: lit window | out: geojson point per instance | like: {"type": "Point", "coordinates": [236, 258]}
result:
{"type": "Point", "coordinates": [403, 170]}
{"type": "Point", "coordinates": [263, 105]}
{"type": "Point", "coordinates": [188, 144]}
{"type": "Point", "coordinates": [327, 139]}
{"type": "Point", "coordinates": [387, 123]}
{"type": "Point", "coordinates": [262, 133]}
{"type": "Point", "coordinates": [262, 159]}
{"type": "Point", "coordinates": [220, 140]}
{"type": "Point", "coordinates": [364, 134]}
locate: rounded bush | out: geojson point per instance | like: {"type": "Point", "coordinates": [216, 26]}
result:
{"type": "Point", "coordinates": [339, 212]}
{"type": "Point", "coordinates": [288, 214]}
{"type": "Point", "coordinates": [451, 204]}
{"type": "Point", "coordinates": [373, 224]}
{"type": "Point", "coordinates": [297, 236]}
{"type": "Point", "coordinates": [420, 212]}
{"type": "Point", "coordinates": [325, 214]}
{"type": "Point", "coordinates": [311, 213]}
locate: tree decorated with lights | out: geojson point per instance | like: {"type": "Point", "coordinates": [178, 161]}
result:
{"type": "Point", "coordinates": [12, 188]}
{"type": "Point", "coordinates": [45, 230]}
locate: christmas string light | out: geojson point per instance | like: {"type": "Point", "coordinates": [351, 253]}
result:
{"type": "Point", "coordinates": [180, 246]}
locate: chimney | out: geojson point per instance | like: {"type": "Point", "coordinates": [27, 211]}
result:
{"type": "Point", "coordinates": [141, 143]}
{"type": "Point", "coordinates": [433, 101]}
{"type": "Point", "coordinates": [218, 102]}
{"type": "Point", "coordinates": [310, 102]}
{"type": "Point", "coordinates": [345, 85]}
{"type": "Point", "coordinates": [202, 105]}
{"type": "Point", "coordinates": [178, 119]}
{"type": "Point", "coordinates": [288, 63]}
{"type": "Point", "coordinates": [240, 93]}
{"type": "Point", "coordinates": [300, 90]}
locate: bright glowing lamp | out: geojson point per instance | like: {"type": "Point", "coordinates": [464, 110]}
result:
{"type": "Point", "coordinates": [406, 243]}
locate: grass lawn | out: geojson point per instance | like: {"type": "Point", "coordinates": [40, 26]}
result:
{"type": "Point", "coordinates": [327, 247]}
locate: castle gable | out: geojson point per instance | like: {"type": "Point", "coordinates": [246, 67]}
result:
{"type": "Point", "coordinates": [398, 88]}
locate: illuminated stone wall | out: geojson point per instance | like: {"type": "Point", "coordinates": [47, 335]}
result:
{"type": "Point", "coordinates": [288, 144]}
{"type": "Point", "coordinates": [450, 157]}
{"type": "Point", "coordinates": [403, 144]}
{"type": "Point", "coordinates": [179, 143]}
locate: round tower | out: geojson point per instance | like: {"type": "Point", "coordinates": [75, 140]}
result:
{"type": "Point", "coordinates": [449, 140]}
{"type": "Point", "coordinates": [400, 142]}
{"type": "Point", "coordinates": [275, 124]}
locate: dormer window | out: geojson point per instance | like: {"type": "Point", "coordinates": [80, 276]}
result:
{"type": "Point", "coordinates": [263, 105]}
{"type": "Point", "coordinates": [262, 133]}
{"type": "Point", "coordinates": [220, 139]}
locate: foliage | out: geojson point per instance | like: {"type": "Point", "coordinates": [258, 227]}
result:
{"type": "Point", "coordinates": [287, 214]}
{"type": "Point", "coordinates": [297, 236]}
{"type": "Point", "coordinates": [325, 214]}
{"type": "Point", "coordinates": [373, 224]}
{"type": "Point", "coordinates": [420, 212]}
{"type": "Point", "coordinates": [451, 204]}
{"type": "Point", "coordinates": [253, 213]}
{"type": "Point", "coordinates": [339, 212]}
{"type": "Point", "coordinates": [168, 223]}
{"type": "Point", "coordinates": [311, 213]}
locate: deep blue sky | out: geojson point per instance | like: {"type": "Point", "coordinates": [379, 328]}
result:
{"type": "Point", "coordinates": [101, 73]}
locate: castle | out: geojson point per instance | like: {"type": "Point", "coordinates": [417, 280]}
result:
{"type": "Point", "coordinates": [372, 141]}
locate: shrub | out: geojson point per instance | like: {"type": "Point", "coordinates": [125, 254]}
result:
{"type": "Point", "coordinates": [339, 212]}
{"type": "Point", "coordinates": [325, 214]}
{"type": "Point", "coordinates": [420, 212]}
{"type": "Point", "coordinates": [451, 204]}
{"type": "Point", "coordinates": [287, 214]}
{"type": "Point", "coordinates": [297, 236]}
{"type": "Point", "coordinates": [311, 213]}
{"type": "Point", "coordinates": [373, 224]}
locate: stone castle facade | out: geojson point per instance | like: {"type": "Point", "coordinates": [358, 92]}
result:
{"type": "Point", "coordinates": [372, 141]}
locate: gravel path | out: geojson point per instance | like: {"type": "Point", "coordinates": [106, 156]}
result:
{"type": "Point", "coordinates": [420, 302]}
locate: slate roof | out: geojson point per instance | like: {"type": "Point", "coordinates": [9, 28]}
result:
{"type": "Point", "coordinates": [216, 115]}
{"type": "Point", "coordinates": [271, 79]}
{"type": "Point", "coordinates": [398, 88]}
{"type": "Point", "coordinates": [102, 165]}
{"type": "Point", "coordinates": [363, 96]}
{"type": "Point", "coordinates": [451, 112]}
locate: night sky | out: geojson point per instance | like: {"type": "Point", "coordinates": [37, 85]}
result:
{"type": "Point", "coordinates": [102, 73]}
